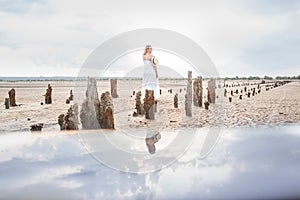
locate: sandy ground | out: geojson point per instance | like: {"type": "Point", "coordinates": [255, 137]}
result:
{"type": "Point", "coordinates": [277, 106]}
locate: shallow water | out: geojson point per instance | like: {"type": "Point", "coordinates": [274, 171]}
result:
{"type": "Point", "coordinates": [241, 163]}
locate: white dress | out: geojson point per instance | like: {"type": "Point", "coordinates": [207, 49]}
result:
{"type": "Point", "coordinates": [150, 81]}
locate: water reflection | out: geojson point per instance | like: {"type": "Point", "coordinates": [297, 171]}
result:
{"type": "Point", "coordinates": [150, 141]}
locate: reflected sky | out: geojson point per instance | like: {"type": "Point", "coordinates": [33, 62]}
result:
{"type": "Point", "coordinates": [246, 163]}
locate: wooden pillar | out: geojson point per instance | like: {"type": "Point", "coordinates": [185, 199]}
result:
{"type": "Point", "coordinates": [113, 88]}
{"type": "Point", "coordinates": [89, 113]}
{"type": "Point", "coordinates": [6, 103]}
{"type": "Point", "coordinates": [48, 95]}
{"type": "Point", "coordinates": [188, 95]}
{"type": "Point", "coordinates": [12, 97]}
{"type": "Point", "coordinates": [197, 95]}
{"type": "Point", "coordinates": [212, 90]}
{"type": "Point", "coordinates": [149, 104]}
{"type": "Point", "coordinates": [69, 121]}
{"type": "Point", "coordinates": [36, 127]}
{"type": "Point", "coordinates": [206, 104]}
{"type": "Point", "coordinates": [71, 96]}
{"type": "Point", "coordinates": [106, 120]}
{"type": "Point", "coordinates": [176, 101]}
{"type": "Point", "coordinates": [138, 103]}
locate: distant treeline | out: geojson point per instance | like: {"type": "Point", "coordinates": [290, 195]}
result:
{"type": "Point", "coordinates": [263, 78]}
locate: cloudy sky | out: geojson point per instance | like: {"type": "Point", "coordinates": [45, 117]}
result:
{"type": "Point", "coordinates": [54, 37]}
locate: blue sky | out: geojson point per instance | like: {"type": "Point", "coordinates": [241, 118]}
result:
{"type": "Point", "coordinates": [54, 37]}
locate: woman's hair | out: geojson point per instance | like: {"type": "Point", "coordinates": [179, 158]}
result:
{"type": "Point", "coordinates": [148, 46]}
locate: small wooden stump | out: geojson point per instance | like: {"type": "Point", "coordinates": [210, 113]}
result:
{"type": "Point", "coordinates": [176, 101]}
{"type": "Point", "coordinates": [71, 98]}
{"type": "Point", "coordinates": [12, 97]}
{"type": "Point", "coordinates": [149, 104]}
{"type": "Point", "coordinates": [6, 103]}
{"type": "Point", "coordinates": [253, 92]}
{"type": "Point", "coordinates": [36, 127]}
{"type": "Point", "coordinates": [249, 94]}
{"type": "Point", "coordinates": [206, 105]}
{"type": "Point", "coordinates": [245, 89]}
{"type": "Point", "coordinates": [241, 96]}
{"type": "Point", "coordinates": [138, 103]}
{"type": "Point", "coordinates": [48, 95]}
{"type": "Point", "coordinates": [160, 91]}
{"type": "Point", "coordinates": [133, 93]}
{"type": "Point", "coordinates": [67, 101]}
{"type": "Point", "coordinates": [231, 92]}
{"type": "Point", "coordinates": [113, 88]}
{"type": "Point", "coordinates": [225, 92]}
{"type": "Point", "coordinates": [171, 91]}
{"type": "Point", "coordinates": [230, 99]}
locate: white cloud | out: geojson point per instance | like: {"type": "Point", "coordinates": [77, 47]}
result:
{"type": "Point", "coordinates": [63, 33]}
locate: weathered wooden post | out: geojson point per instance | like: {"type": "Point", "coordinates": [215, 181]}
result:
{"type": "Point", "coordinates": [12, 97]}
{"type": "Point", "coordinates": [206, 104]}
{"type": "Point", "coordinates": [230, 99]}
{"type": "Point", "coordinates": [253, 92]}
{"type": "Point", "coordinates": [133, 93]}
{"type": "Point", "coordinates": [231, 92]}
{"type": "Point", "coordinates": [138, 103]}
{"type": "Point", "coordinates": [106, 119]}
{"type": "Point", "coordinates": [188, 95]}
{"type": "Point", "coordinates": [160, 91]}
{"type": "Point", "coordinates": [6, 103]}
{"type": "Point", "coordinates": [212, 90]}
{"type": "Point", "coordinates": [48, 95]}
{"type": "Point", "coordinates": [149, 104]}
{"type": "Point", "coordinates": [90, 112]}
{"type": "Point", "coordinates": [69, 121]}
{"type": "Point", "coordinates": [71, 96]}
{"type": "Point", "coordinates": [36, 127]}
{"type": "Point", "coordinates": [176, 101]}
{"type": "Point", "coordinates": [113, 88]}
{"type": "Point", "coordinates": [171, 91]}
{"type": "Point", "coordinates": [197, 96]}
{"type": "Point", "coordinates": [241, 97]}
{"type": "Point", "coordinates": [225, 92]}
{"type": "Point", "coordinates": [249, 94]}
{"type": "Point", "coordinates": [245, 89]}
{"type": "Point", "coordinates": [155, 106]}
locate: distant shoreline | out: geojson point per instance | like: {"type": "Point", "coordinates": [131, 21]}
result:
{"type": "Point", "coordinates": [62, 78]}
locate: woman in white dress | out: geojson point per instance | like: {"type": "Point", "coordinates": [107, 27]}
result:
{"type": "Point", "coordinates": [150, 76]}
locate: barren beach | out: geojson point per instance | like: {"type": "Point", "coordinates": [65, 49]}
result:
{"type": "Point", "coordinates": [277, 106]}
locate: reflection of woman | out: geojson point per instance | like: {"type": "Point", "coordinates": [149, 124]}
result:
{"type": "Point", "coordinates": [150, 76]}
